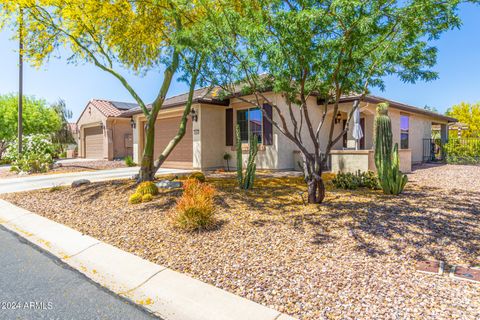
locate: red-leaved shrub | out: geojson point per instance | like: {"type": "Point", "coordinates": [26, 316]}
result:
{"type": "Point", "coordinates": [195, 209]}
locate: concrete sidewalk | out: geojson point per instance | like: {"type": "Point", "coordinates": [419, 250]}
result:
{"type": "Point", "coordinates": [47, 181]}
{"type": "Point", "coordinates": [166, 293]}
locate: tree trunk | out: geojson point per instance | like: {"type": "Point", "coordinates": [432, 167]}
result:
{"type": "Point", "coordinates": [147, 170]}
{"type": "Point", "coordinates": [312, 169]}
{"type": "Point", "coordinates": [316, 190]}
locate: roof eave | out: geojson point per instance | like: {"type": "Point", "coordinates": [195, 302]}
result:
{"type": "Point", "coordinates": [225, 103]}
{"type": "Point", "coordinates": [400, 106]}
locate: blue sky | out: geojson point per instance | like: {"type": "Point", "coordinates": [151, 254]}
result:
{"type": "Point", "coordinates": [458, 66]}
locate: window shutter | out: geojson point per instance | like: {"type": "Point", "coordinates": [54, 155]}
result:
{"type": "Point", "coordinates": [267, 125]}
{"type": "Point", "coordinates": [229, 127]}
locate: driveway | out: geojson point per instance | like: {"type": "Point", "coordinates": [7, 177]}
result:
{"type": "Point", "coordinates": [47, 181]}
{"type": "Point", "coordinates": [35, 285]}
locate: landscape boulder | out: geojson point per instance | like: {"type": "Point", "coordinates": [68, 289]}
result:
{"type": "Point", "coordinates": [167, 184]}
{"type": "Point", "coordinates": [80, 182]}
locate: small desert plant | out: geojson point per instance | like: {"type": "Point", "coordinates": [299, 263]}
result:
{"type": "Point", "coordinates": [227, 156]}
{"type": "Point", "coordinates": [198, 176]}
{"type": "Point", "coordinates": [55, 188]}
{"type": "Point", "coordinates": [353, 181]}
{"type": "Point", "coordinates": [195, 208]}
{"type": "Point", "coordinates": [129, 162]}
{"type": "Point", "coordinates": [147, 197]}
{"type": "Point", "coordinates": [147, 187]}
{"type": "Point", "coordinates": [245, 181]}
{"type": "Point", "coordinates": [346, 180]}
{"type": "Point", "coordinates": [135, 198]}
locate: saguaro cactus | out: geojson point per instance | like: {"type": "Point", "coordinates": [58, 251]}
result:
{"type": "Point", "coordinates": [386, 158]}
{"type": "Point", "coordinates": [246, 182]}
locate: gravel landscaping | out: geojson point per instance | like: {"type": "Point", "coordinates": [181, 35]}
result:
{"type": "Point", "coordinates": [352, 257]}
{"type": "Point", "coordinates": [71, 167]}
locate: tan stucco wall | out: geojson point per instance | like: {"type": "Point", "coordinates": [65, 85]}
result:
{"type": "Point", "coordinates": [91, 117]}
{"type": "Point", "coordinates": [119, 129]}
{"type": "Point", "coordinates": [351, 160]}
{"type": "Point", "coordinates": [420, 127]}
{"type": "Point", "coordinates": [211, 136]}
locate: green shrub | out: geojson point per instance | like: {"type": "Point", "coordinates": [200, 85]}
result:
{"type": "Point", "coordinates": [135, 198]}
{"type": "Point", "coordinates": [462, 151]}
{"type": "Point", "coordinates": [198, 176]}
{"type": "Point", "coordinates": [147, 197]}
{"type": "Point", "coordinates": [353, 181]}
{"type": "Point", "coordinates": [195, 208]}
{"type": "Point", "coordinates": [129, 162]}
{"type": "Point", "coordinates": [369, 180]}
{"type": "Point", "coordinates": [147, 187]}
{"type": "Point", "coordinates": [36, 156]}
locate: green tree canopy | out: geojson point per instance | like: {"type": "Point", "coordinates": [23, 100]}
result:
{"type": "Point", "coordinates": [38, 116]}
{"type": "Point", "coordinates": [324, 49]}
{"type": "Point", "coordinates": [468, 114]}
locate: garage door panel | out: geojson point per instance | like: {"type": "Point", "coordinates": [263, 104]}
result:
{"type": "Point", "coordinates": [94, 142]}
{"type": "Point", "coordinates": [165, 130]}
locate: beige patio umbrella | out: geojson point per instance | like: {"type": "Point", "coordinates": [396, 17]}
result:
{"type": "Point", "coordinates": [357, 132]}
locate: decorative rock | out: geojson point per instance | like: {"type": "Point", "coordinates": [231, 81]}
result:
{"type": "Point", "coordinates": [167, 184]}
{"type": "Point", "coordinates": [80, 182]}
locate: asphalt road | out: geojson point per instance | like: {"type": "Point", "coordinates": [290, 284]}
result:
{"type": "Point", "coordinates": [35, 285]}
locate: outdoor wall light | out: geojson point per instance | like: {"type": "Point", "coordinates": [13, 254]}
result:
{"type": "Point", "coordinates": [338, 118]}
{"type": "Point", "coordinates": [133, 124]}
{"type": "Point", "coordinates": [194, 115]}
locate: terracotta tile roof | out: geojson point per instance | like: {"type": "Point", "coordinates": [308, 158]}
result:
{"type": "Point", "coordinates": [112, 108]}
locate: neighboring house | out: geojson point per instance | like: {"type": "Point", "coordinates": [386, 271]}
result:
{"type": "Point", "coordinates": [211, 134]}
{"type": "Point", "coordinates": [102, 133]}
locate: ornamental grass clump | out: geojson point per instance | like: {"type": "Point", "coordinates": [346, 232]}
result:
{"type": "Point", "coordinates": [195, 209]}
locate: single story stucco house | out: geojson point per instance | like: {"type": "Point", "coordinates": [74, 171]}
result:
{"type": "Point", "coordinates": [210, 132]}
{"type": "Point", "coordinates": [102, 133]}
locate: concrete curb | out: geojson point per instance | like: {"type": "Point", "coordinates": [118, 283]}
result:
{"type": "Point", "coordinates": [166, 293]}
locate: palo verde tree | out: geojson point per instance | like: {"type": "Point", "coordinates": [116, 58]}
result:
{"type": "Point", "coordinates": [320, 50]}
{"type": "Point", "coordinates": [139, 36]}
